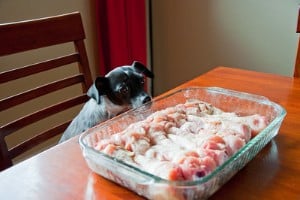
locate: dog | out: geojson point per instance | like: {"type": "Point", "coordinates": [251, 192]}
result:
{"type": "Point", "coordinates": [118, 91]}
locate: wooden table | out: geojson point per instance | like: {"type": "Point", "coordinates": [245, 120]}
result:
{"type": "Point", "coordinates": [61, 172]}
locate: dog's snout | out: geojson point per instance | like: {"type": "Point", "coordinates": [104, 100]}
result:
{"type": "Point", "coordinates": [146, 99]}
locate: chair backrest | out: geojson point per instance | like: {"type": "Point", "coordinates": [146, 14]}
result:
{"type": "Point", "coordinates": [297, 64]}
{"type": "Point", "coordinates": [34, 35]}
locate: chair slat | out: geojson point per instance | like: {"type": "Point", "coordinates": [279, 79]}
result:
{"type": "Point", "coordinates": [38, 67]}
{"type": "Point", "coordinates": [41, 114]}
{"type": "Point", "coordinates": [37, 139]}
{"type": "Point", "coordinates": [39, 91]}
{"type": "Point", "coordinates": [31, 34]}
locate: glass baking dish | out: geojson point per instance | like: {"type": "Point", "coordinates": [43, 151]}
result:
{"type": "Point", "coordinates": [154, 187]}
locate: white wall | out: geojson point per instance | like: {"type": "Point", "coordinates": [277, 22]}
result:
{"type": "Point", "coordinates": [190, 37]}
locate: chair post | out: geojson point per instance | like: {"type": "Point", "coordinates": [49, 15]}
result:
{"type": "Point", "coordinates": [84, 64]}
{"type": "Point", "coordinates": [5, 162]}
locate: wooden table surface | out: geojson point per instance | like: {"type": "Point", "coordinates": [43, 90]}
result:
{"type": "Point", "coordinates": [61, 172]}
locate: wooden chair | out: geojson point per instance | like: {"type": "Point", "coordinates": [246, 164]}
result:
{"type": "Point", "coordinates": [297, 64]}
{"type": "Point", "coordinates": [31, 35]}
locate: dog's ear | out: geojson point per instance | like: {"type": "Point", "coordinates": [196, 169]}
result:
{"type": "Point", "coordinates": [99, 88]}
{"type": "Point", "coordinates": [139, 67]}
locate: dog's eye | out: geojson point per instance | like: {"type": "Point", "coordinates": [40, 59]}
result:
{"type": "Point", "coordinates": [124, 90]}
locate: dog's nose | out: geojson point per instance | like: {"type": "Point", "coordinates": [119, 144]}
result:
{"type": "Point", "coordinates": [146, 99]}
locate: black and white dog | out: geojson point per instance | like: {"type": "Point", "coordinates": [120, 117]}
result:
{"type": "Point", "coordinates": [121, 89]}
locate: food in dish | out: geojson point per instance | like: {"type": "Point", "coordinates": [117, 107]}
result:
{"type": "Point", "coordinates": [183, 142]}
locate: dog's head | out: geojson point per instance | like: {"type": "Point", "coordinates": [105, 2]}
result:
{"type": "Point", "coordinates": [123, 85]}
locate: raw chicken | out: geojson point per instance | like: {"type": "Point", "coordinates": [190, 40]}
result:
{"type": "Point", "coordinates": [184, 142]}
